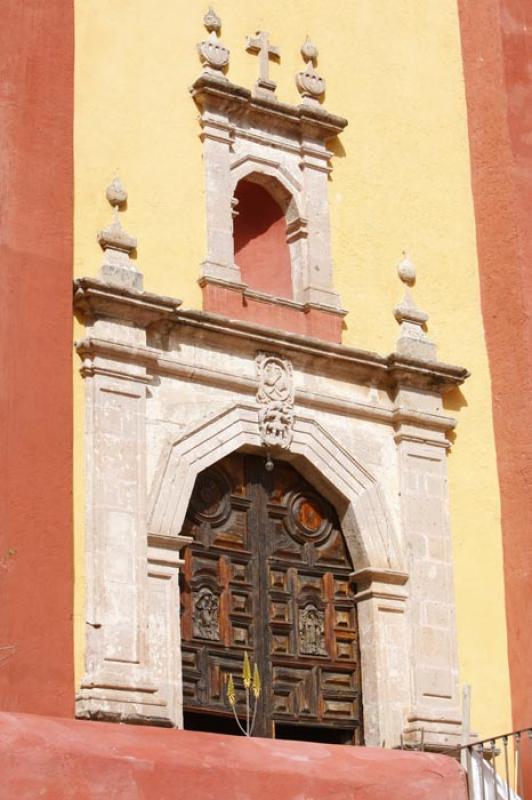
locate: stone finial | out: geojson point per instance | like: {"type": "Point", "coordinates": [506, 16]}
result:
{"type": "Point", "coordinates": [309, 51]}
{"type": "Point", "coordinates": [413, 342]}
{"type": "Point", "coordinates": [117, 244]}
{"type": "Point", "coordinates": [116, 193]}
{"type": "Point", "coordinates": [213, 55]}
{"type": "Point", "coordinates": [212, 21]}
{"type": "Point", "coordinates": [309, 84]}
{"type": "Point", "coordinates": [406, 270]}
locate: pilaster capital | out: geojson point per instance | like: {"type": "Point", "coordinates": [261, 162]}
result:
{"type": "Point", "coordinates": [380, 584]}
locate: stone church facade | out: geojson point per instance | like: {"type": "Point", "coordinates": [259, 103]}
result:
{"type": "Point", "coordinates": [169, 393]}
{"type": "Point", "coordinates": [288, 420]}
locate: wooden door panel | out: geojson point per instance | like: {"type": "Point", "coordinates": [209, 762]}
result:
{"type": "Point", "coordinates": [268, 573]}
{"type": "Point", "coordinates": [295, 694]}
{"type": "Point", "coordinates": [332, 553]}
{"type": "Point", "coordinates": [281, 545]}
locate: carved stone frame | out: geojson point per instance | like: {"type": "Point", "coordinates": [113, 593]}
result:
{"type": "Point", "coordinates": [284, 148]}
{"type": "Point", "coordinates": [132, 545]}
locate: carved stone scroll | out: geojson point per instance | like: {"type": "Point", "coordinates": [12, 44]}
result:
{"type": "Point", "coordinates": [276, 396]}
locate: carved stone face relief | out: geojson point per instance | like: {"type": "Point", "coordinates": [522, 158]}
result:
{"type": "Point", "coordinates": [276, 396]}
{"type": "Point", "coordinates": [311, 631]}
{"type": "Point", "coordinates": [205, 614]}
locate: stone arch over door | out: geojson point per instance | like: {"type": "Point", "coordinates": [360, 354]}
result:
{"type": "Point", "coordinates": [353, 491]}
{"type": "Point", "coordinates": [365, 521]}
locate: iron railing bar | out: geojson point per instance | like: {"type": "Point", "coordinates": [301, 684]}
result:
{"type": "Point", "coordinates": [501, 736]}
{"type": "Point", "coordinates": [505, 744]}
{"type": "Point", "coordinates": [495, 777]}
{"type": "Point", "coordinates": [517, 763]}
{"type": "Point", "coordinates": [480, 751]}
{"type": "Point", "coordinates": [470, 787]}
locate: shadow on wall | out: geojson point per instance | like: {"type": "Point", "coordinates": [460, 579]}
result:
{"type": "Point", "coordinates": [454, 400]}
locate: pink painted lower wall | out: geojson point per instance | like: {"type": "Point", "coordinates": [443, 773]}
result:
{"type": "Point", "coordinates": [74, 760]}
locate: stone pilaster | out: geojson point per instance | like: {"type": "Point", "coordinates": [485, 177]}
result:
{"type": "Point", "coordinates": [315, 168]}
{"type": "Point", "coordinates": [164, 632]}
{"type": "Point", "coordinates": [217, 145]}
{"type": "Point", "coordinates": [435, 714]}
{"type": "Point", "coordinates": [381, 605]}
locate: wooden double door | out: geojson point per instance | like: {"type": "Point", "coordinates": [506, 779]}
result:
{"type": "Point", "coordinates": [268, 573]}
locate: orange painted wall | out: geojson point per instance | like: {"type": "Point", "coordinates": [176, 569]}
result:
{"type": "Point", "coordinates": [497, 49]}
{"type": "Point", "coordinates": [36, 108]}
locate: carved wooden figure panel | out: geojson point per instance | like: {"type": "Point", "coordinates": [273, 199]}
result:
{"type": "Point", "coordinates": [268, 573]}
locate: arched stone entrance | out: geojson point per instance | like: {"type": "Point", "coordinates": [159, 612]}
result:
{"type": "Point", "coordinates": [362, 514]}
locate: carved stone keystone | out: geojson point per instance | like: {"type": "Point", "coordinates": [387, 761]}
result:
{"type": "Point", "coordinates": [276, 396]}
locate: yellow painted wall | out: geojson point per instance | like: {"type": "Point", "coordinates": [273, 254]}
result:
{"type": "Point", "coordinates": [401, 182]}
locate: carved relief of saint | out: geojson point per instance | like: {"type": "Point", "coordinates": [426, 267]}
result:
{"type": "Point", "coordinates": [312, 631]}
{"type": "Point", "coordinates": [205, 614]}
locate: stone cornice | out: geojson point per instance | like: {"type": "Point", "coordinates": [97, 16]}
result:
{"type": "Point", "coordinates": [95, 299]}
{"type": "Point", "coordinates": [308, 121]}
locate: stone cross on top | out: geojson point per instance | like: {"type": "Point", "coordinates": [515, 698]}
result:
{"type": "Point", "coordinates": [264, 86]}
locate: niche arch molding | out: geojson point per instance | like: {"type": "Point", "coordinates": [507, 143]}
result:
{"type": "Point", "coordinates": [242, 136]}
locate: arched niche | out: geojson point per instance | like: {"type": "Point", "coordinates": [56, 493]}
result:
{"type": "Point", "coordinates": [269, 230]}
{"type": "Point", "coordinates": [261, 250]}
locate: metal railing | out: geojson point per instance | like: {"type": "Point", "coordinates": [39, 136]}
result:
{"type": "Point", "coordinates": [500, 768]}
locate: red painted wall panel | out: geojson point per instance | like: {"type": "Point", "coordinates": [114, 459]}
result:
{"type": "Point", "coordinates": [516, 31]}
{"type": "Point", "coordinates": [497, 54]}
{"type": "Point", "coordinates": [36, 118]}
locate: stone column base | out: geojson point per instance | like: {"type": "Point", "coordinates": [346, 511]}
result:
{"type": "Point", "coordinates": [138, 705]}
{"type": "Point", "coordinates": [437, 733]}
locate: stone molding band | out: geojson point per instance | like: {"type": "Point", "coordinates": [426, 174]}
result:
{"type": "Point", "coordinates": [158, 363]}
{"type": "Point", "coordinates": [93, 298]}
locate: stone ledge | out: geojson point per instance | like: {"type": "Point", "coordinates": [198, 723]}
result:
{"type": "Point", "coordinates": [240, 302]}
